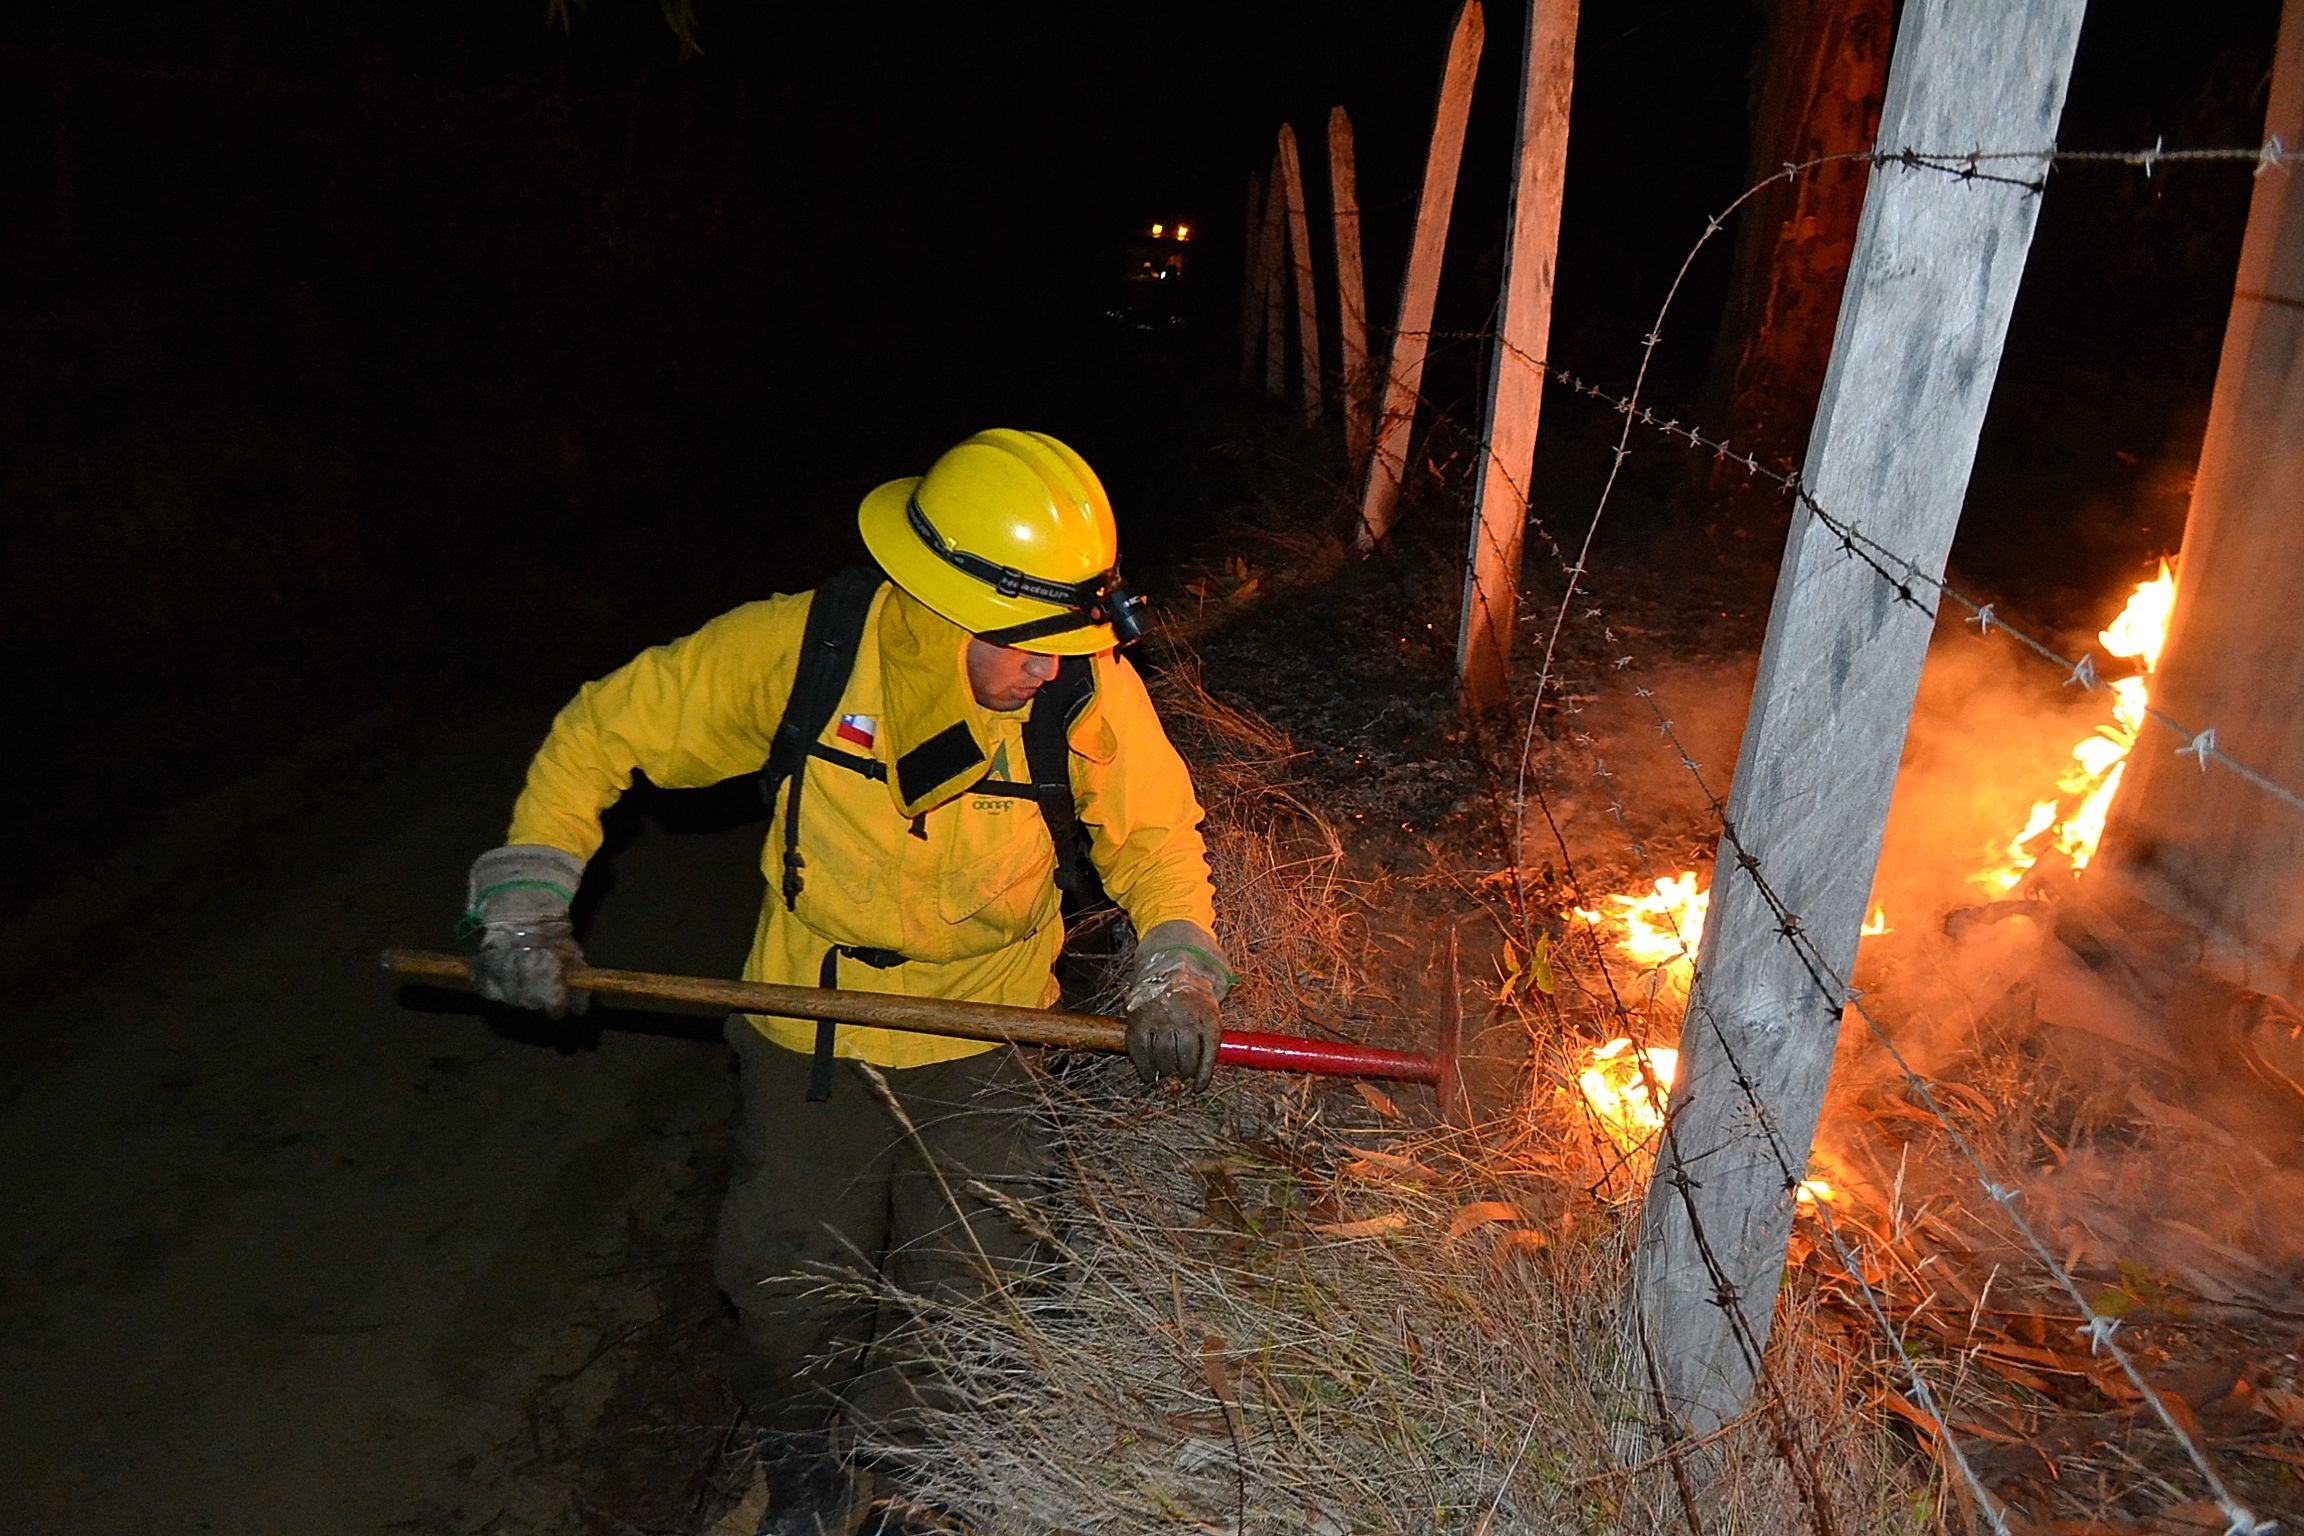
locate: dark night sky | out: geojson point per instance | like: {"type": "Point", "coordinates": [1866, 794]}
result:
{"type": "Point", "coordinates": [367, 348]}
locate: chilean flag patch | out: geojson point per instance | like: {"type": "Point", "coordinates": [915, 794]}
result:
{"type": "Point", "coordinates": [856, 730]}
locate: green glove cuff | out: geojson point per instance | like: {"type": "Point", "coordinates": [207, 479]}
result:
{"type": "Point", "coordinates": [525, 883]}
{"type": "Point", "coordinates": [1213, 963]}
{"type": "Point", "coordinates": [476, 915]}
{"type": "Point", "coordinates": [1177, 953]}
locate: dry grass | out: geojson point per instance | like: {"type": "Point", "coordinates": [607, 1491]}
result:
{"type": "Point", "coordinates": [2169, 1220]}
{"type": "Point", "coordinates": [1292, 1306]}
{"type": "Point", "coordinates": [1265, 1314]}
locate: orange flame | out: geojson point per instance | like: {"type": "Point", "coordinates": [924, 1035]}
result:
{"type": "Point", "coordinates": [1659, 932]}
{"type": "Point", "coordinates": [1618, 1091]}
{"type": "Point", "coordinates": [2073, 823]}
{"type": "Point", "coordinates": [1627, 1086]}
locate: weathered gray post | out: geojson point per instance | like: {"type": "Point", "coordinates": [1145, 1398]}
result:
{"type": "Point", "coordinates": [1937, 261]}
{"type": "Point", "coordinates": [1516, 371]}
{"type": "Point", "coordinates": [1300, 262]}
{"type": "Point", "coordinates": [1351, 290]}
{"type": "Point", "coordinates": [2196, 840]}
{"type": "Point", "coordinates": [1388, 465]}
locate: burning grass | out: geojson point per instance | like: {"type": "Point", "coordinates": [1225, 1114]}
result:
{"type": "Point", "coordinates": [1291, 1305]}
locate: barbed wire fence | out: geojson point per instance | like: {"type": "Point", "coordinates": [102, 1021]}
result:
{"type": "Point", "coordinates": [1924, 590]}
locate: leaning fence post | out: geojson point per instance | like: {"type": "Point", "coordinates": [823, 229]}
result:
{"type": "Point", "coordinates": [1939, 252]}
{"type": "Point", "coordinates": [1404, 375]}
{"type": "Point", "coordinates": [1351, 290]}
{"type": "Point", "coordinates": [1300, 262]}
{"type": "Point", "coordinates": [1516, 371]}
{"type": "Point", "coordinates": [1251, 277]}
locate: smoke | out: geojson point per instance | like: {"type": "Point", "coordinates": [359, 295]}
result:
{"type": "Point", "coordinates": [2117, 1074]}
{"type": "Point", "coordinates": [1991, 730]}
{"type": "Point", "coordinates": [1664, 805]}
{"type": "Point", "coordinates": [2087, 1058]}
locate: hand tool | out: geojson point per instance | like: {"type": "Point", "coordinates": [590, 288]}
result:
{"type": "Point", "coordinates": [968, 1021]}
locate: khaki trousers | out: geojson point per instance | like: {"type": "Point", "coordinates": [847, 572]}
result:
{"type": "Point", "coordinates": [844, 1186]}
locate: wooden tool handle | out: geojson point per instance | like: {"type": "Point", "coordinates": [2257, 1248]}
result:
{"type": "Point", "coordinates": [922, 1015]}
{"type": "Point", "coordinates": [942, 1016]}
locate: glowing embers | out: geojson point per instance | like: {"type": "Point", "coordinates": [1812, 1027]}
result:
{"type": "Point", "coordinates": [2072, 824]}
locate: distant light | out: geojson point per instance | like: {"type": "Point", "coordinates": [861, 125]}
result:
{"type": "Point", "coordinates": [1156, 229]}
{"type": "Point", "coordinates": [1183, 232]}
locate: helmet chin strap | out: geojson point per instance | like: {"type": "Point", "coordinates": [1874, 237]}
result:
{"type": "Point", "coordinates": [1100, 600]}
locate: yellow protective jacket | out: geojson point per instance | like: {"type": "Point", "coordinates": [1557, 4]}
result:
{"type": "Point", "coordinates": [960, 884]}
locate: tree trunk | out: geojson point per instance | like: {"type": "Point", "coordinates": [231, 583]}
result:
{"type": "Point", "coordinates": [1824, 69]}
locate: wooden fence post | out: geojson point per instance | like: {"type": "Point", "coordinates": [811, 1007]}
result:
{"type": "Point", "coordinates": [1275, 246]}
{"type": "Point", "coordinates": [1251, 277]}
{"type": "Point", "coordinates": [1938, 257]}
{"type": "Point", "coordinates": [1516, 370]}
{"type": "Point", "coordinates": [1307, 298]}
{"type": "Point", "coordinates": [1351, 291]}
{"type": "Point", "coordinates": [2195, 840]}
{"type": "Point", "coordinates": [1411, 337]}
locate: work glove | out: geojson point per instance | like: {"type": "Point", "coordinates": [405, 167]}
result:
{"type": "Point", "coordinates": [1180, 978]}
{"type": "Point", "coordinates": [518, 899]}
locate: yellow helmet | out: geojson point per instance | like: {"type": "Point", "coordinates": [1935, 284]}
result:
{"type": "Point", "coordinates": [1010, 536]}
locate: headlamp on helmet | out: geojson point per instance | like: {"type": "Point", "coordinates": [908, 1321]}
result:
{"type": "Point", "coordinates": [1101, 600]}
{"type": "Point", "coordinates": [1010, 536]}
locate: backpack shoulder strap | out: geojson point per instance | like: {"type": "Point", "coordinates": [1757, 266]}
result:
{"type": "Point", "coordinates": [828, 648]}
{"type": "Point", "coordinates": [1048, 754]}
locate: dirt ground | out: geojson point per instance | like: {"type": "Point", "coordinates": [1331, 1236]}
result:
{"type": "Point", "coordinates": [293, 1251]}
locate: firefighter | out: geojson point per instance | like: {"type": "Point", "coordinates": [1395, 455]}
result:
{"type": "Point", "coordinates": [935, 746]}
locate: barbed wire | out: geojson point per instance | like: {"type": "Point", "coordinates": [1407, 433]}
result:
{"type": "Point", "coordinates": [2100, 1329]}
{"type": "Point", "coordinates": [1902, 574]}
{"type": "Point", "coordinates": [1726, 1294]}
{"type": "Point", "coordinates": [1798, 1458]}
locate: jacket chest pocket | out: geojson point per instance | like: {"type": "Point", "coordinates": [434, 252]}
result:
{"type": "Point", "coordinates": [1002, 885]}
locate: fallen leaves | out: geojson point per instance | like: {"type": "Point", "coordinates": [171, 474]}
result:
{"type": "Point", "coordinates": [1376, 1166]}
{"type": "Point", "coordinates": [1378, 1100]}
{"type": "Point", "coordinates": [1479, 1214]}
{"type": "Point", "coordinates": [2283, 1408]}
